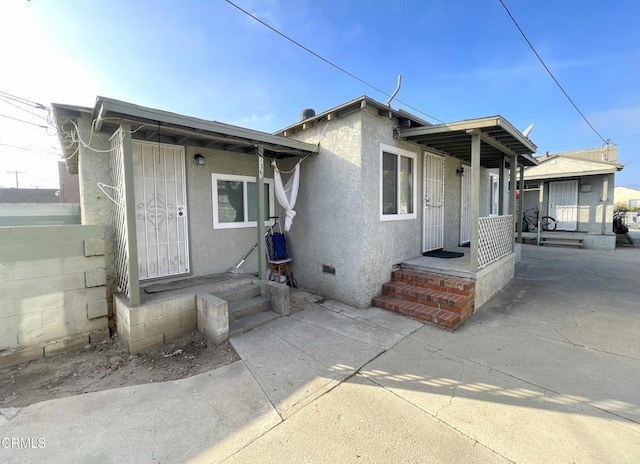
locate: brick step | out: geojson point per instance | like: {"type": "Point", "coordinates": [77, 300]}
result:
{"type": "Point", "coordinates": [457, 285]}
{"type": "Point", "coordinates": [439, 317]}
{"type": "Point", "coordinates": [239, 293]}
{"type": "Point", "coordinates": [247, 323]}
{"type": "Point", "coordinates": [248, 307]}
{"type": "Point", "coordinates": [461, 304]}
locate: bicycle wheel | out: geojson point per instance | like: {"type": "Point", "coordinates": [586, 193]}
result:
{"type": "Point", "coordinates": [548, 223]}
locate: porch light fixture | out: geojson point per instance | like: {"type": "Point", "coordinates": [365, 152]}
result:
{"type": "Point", "coordinates": [460, 171]}
{"type": "Point", "coordinates": [199, 159]}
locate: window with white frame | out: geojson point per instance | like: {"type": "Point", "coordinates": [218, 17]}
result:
{"type": "Point", "coordinates": [235, 201]}
{"type": "Point", "coordinates": [494, 194]}
{"type": "Point", "coordinates": [397, 183]}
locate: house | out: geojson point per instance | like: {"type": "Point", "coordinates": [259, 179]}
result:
{"type": "Point", "coordinates": [628, 197]}
{"type": "Point", "coordinates": [179, 196]}
{"type": "Point", "coordinates": [576, 189]}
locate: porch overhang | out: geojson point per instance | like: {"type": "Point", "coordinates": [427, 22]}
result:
{"type": "Point", "coordinates": [498, 138]}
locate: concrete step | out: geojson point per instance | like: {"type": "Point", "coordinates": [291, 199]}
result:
{"type": "Point", "coordinates": [248, 307]}
{"type": "Point", "coordinates": [567, 242]}
{"type": "Point", "coordinates": [239, 293]}
{"type": "Point", "coordinates": [439, 317]}
{"type": "Point", "coordinates": [251, 322]}
{"type": "Point", "coordinates": [448, 301]}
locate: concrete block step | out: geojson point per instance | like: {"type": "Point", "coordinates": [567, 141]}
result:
{"type": "Point", "coordinates": [441, 318]}
{"type": "Point", "coordinates": [251, 322]}
{"type": "Point", "coordinates": [562, 242]}
{"type": "Point", "coordinates": [241, 292]}
{"type": "Point", "coordinates": [428, 296]}
{"type": "Point", "coordinates": [248, 307]}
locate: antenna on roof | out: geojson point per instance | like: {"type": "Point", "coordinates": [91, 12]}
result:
{"type": "Point", "coordinates": [527, 131]}
{"type": "Point", "coordinates": [395, 92]}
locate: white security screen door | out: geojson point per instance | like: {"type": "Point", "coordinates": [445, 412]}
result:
{"type": "Point", "coordinates": [433, 202]}
{"type": "Point", "coordinates": [563, 203]}
{"type": "Point", "coordinates": [161, 209]}
{"type": "Point", "coordinates": [465, 206]}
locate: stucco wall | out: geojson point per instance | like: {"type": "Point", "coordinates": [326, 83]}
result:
{"type": "Point", "coordinates": [217, 250]}
{"type": "Point", "coordinates": [327, 229]}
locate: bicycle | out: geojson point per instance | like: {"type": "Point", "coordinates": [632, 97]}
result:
{"type": "Point", "coordinates": [530, 221]}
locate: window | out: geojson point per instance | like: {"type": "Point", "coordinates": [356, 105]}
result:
{"type": "Point", "coordinates": [234, 201]}
{"type": "Point", "coordinates": [494, 194]}
{"type": "Point", "coordinates": [397, 184]}
{"type": "Point", "coordinates": [634, 203]}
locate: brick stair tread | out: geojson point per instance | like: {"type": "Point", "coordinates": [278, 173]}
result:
{"type": "Point", "coordinates": [236, 293]}
{"type": "Point", "coordinates": [431, 280]}
{"type": "Point", "coordinates": [247, 307]}
{"type": "Point", "coordinates": [424, 294]}
{"type": "Point", "coordinates": [251, 322]}
{"type": "Point", "coordinates": [439, 317]}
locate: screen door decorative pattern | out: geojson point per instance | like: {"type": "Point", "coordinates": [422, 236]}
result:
{"type": "Point", "coordinates": [161, 213]}
{"type": "Point", "coordinates": [433, 202]}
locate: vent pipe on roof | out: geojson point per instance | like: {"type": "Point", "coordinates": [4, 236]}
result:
{"type": "Point", "coordinates": [307, 113]}
{"type": "Point", "coordinates": [395, 92]}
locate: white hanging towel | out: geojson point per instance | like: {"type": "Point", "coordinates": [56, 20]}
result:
{"type": "Point", "coordinates": [287, 194]}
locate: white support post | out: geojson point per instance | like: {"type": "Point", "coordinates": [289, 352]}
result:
{"type": "Point", "coordinates": [475, 199]}
{"type": "Point", "coordinates": [540, 203]}
{"type": "Point", "coordinates": [605, 199]}
{"type": "Point", "coordinates": [521, 203]}
{"type": "Point", "coordinates": [130, 202]}
{"type": "Point", "coordinates": [502, 191]}
{"type": "Point", "coordinates": [262, 259]}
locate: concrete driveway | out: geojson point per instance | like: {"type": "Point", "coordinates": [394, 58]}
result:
{"type": "Point", "coordinates": [547, 371]}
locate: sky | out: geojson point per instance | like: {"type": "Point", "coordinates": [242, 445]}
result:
{"type": "Point", "coordinates": [458, 60]}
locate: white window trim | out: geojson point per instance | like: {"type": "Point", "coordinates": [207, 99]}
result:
{"type": "Point", "coordinates": [215, 177]}
{"type": "Point", "coordinates": [493, 180]}
{"type": "Point", "coordinates": [407, 154]}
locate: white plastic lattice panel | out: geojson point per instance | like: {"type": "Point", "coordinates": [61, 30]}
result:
{"type": "Point", "coordinates": [495, 239]}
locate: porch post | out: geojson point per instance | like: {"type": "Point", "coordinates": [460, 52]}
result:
{"type": "Point", "coordinates": [501, 186]}
{"type": "Point", "coordinates": [605, 199]}
{"type": "Point", "coordinates": [262, 259]}
{"type": "Point", "coordinates": [475, 199]}
{"type": "Point", "coordinates": [130, 208]}
{"type": "Point", "coordinates": [521, 203]}
{"type": "Point", "coordinates": [540, 203]}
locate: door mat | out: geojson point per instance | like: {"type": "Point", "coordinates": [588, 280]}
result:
{"type": "Point", "coordinates": [466, 245]}
{"type": "Point", "coordinates": [185, 283]}
{"type": "Point", "coordinates": [443, 254]}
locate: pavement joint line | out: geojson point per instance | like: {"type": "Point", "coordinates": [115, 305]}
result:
{"type": "Point", "coordinates": [473, 439]}
{"type": "Point", "coordinates": [546, 389]}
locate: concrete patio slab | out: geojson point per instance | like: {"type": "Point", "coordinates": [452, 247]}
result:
{"type": "Point", "coordinates": [360, 422]}
{"type": "Point", "coordinates": [519, 420]}
{"type": "Point", "coordinates": [215, 414]}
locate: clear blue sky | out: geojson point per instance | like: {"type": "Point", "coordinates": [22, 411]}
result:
{"type": "Point", "coordinates": [459, 60]}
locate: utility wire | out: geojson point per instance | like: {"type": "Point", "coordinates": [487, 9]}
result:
{"type": "Point", "coordinates": [22, 120]}
{"type": "Point", "coordinates": [24, 101]}
{"type": "Point", "coordinates": [9, 102]}
{"type": "Point", "coordinates": [551, 74]}
{"type": "Point", "coordinates": [330, 63]}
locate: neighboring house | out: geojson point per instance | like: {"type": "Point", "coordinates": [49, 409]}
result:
{"type": "Point", "coordinates": [577, 189]}
{"type": "Point", "coordinates": [28, 195]}
{"type": "Point", "coordinates": [179, 196]}
{"type": "Point", "coordinates": [628, 196]}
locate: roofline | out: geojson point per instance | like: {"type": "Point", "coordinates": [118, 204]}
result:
{"type": "Point", "coordinates": [357, 104]}
{"type": "Point", "coordinates": [558, 175]}
{"type": "Point", "coordinates": [105, 105]}
{"type": "Point", "coordinates": [470, 124]}
{"type": "Point", "coordinates": [612, 164]}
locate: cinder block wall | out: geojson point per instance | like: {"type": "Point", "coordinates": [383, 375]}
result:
{"type": "Point", "coordinates": [52, 290]}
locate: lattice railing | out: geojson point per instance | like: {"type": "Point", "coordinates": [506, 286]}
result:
{"type": "Point", "coordinates": [495, 239]}
{"type": "Point", "coordinates": [119, 214]}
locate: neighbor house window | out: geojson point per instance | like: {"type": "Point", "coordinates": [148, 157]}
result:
{"type": "Point", "coordinates": [397, 184]}
{"type": "Point", "coordinates": [634, 203]}
{"type": "Point", "coordinates": [235, 201]}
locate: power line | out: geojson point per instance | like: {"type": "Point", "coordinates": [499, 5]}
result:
{"type": "Point", "coordinates": [550, 73]}
{"type": "Point", "coordinates": [22, 120]}
{"type": "Point", "coordinates": [24, 101]}
{"type": "Point", "coordinates": [8, 102]}
{"type": "Point", "coordinates": [330, 63]}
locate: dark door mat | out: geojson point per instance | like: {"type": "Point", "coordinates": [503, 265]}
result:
{"type": "Point", "coordinates": [184, 283]}
{"type": "Point", "coordinates": [443, 254]}
{"type": "Point", "coordinates": [466, 245]}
